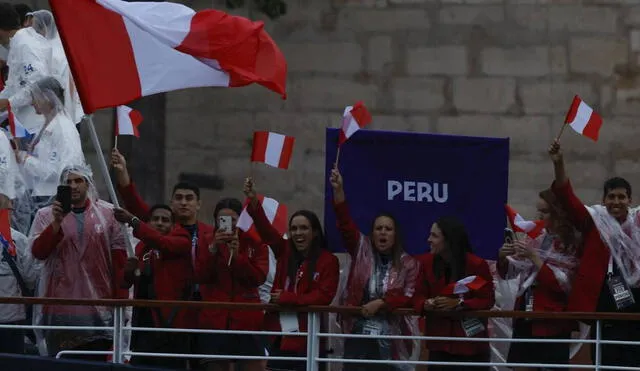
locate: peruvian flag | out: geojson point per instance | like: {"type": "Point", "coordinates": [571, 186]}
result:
{"type": "Point", "coordinates": [519, 224]}
{"type": "Point", "coordinates": [5, 233]}
{"type": "Point", "coordinates": [463, 286]}
{"type": "Point", "coordinates": [120, 51]}
{"type": "Point", "coordinates": [275, 212]}
{"type": "Point", "coordinates": [583, 119]}
{"type": "Point", "coordinates": [272, 149]}
{"type": "Point", "coordinates": [128, 121]}
{"type": "Point", "coordinates": [15, 127]}
{"type": "Point", "coordinates": [354, 118]}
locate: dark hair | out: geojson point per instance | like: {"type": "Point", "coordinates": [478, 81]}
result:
{"type": "Point", "coordinates": [561, 223]}
{"type": "Point", "coordinates": [9, 17]}
{"type": "Point", "coordinates": [22, 10]}
{"type": "Point", "coordinates": [187, 186]}
{"type": "Point", "coordinates": [52, 84]}
{"type": "Point", "coordinates": [398, 243]}
{"type": "Point", "coordinates": [616, 182]}
{"type": "Point", "coordinates": [457, 246]}
{"type": "Point", "coordinates": [318, 243]}
{"type": "Point", "coordinates": [227, 203]}
{"type": "Point", "coordinates": [161, 207]}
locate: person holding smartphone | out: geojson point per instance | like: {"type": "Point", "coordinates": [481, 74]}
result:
{"type": "Point", "coordinates": [231, 269]}
{"type": "Point", "coordinates": [543, 268]}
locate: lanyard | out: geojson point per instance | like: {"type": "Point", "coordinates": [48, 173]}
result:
{"type": "Point", "coordinates": [610, 267]}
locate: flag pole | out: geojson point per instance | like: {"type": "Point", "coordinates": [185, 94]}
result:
{"type": "Point", "coordinates": [105, 173]}
{"type": "Point", "coordinates": [561, 131]}
{"type": "Point", "coordinates": [338, 155]}
{"type": "Point", "coordinates": [115, 141]}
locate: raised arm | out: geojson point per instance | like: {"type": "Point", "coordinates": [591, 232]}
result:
{"type": "Point", "coordinates": [126, 188]}
{"type": "Point", "coordinates": [561, 187]}
{"type": "Point", "coordinates": [268, 233]}
{"type": "Point", "coordinates": [348, 229]}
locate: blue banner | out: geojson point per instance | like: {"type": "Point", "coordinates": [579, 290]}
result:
{"type": "Point", "coordinates": [419, 178]}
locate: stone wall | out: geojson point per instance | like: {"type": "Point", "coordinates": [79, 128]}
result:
{"type": "Point", "coordinates": [501, 68]}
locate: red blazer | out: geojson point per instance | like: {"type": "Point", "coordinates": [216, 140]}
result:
{"type": "Point", "coordinates": [429, 287]}
{"type": "Point", "coordinates": [548, 296]}
{"type": "Point", "coordinates": [169, 258]}
{"type": "Point", "coordinates": [594, 254]}
{"type": "Point", "coordinates": [183, 271]}
{"type": "Point", "coordinates": [317, 290]}
{"type": "Point", "coordinates": [237, 283]}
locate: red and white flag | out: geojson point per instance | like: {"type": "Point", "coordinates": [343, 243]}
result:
{"type": "Point", "coordinates": [354, 118]}
{"type": "Point", "coordinates": [583, 119]}
{"type": "Point", "coordinates": [5, 233]}
{"type": "Point", "coordinates": [275, 212]}
{"type": "Point", "coordinates": [519, 224]}
{"type": "Point", "coordinates": [463, 286]}
{"type": "Point", "coordinates": [120, 51]}
{"type": "Point", "coordinates": [16, 128]}
{"type": "Point", "coordinates": [272, 149]}
{"type": "Point", "coordinates": [128, 121]}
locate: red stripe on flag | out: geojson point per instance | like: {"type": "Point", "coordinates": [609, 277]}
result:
{"type": "Point", "coordinates": [592, 130]}
{"type": "Point", "coordinates": [136, 120]}
{"type": "Point", "coordinates": [260, 141]}
{"type": "Point", "coordinates": [287, 151]}
{"type": "Point", "coordinates": [99, 52]}
{"type": "Point", "coordinates": [361, 114]}
{"type": "Point", "coordinates": [12, 121]}
{"type": "Point", "coordinates": [242, 48]}
{"type": "Point", "coordinates": [573, 110]}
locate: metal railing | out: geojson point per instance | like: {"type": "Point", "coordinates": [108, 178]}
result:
{"type": "Point", "coordinates": [314, 334]}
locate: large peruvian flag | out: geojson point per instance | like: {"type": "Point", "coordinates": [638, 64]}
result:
{"type": "Point", "coordinates": [120, 51]}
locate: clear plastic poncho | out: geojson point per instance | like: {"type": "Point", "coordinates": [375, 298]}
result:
{"type": "Point", "coordinates": [79, 267]}
{"type": "Point", "coordinates": [11, 182]}
{"type": "Point", "coordinates": [44, 23]}
{"type": "Point", "coordinates": [623, 240]}
{"type": "Point", "coordinates": [55, 146]}
{"type": "Point", "coordinates": [28, 61]}
{"type": "Point", "coordinates": [521, 274]}
{"type": "Point", "coordinates": [367, 274]}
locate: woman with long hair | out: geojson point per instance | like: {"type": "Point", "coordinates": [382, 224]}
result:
{"type": "Point", "coordinates": [382, 277]}
{"type": "Point", "coordinates": [306, 274]}
{"type": "Point", "coordinates": [541, 269]}
{"type": "Point", "coordinates": [453, 278]}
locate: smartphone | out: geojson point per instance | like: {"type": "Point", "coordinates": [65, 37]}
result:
{"type": "Point", "coordinates": [509, 236]}
{"type": "Point", "coordinates": [64, 197]}
{"type": "Point", "coordinates": [225, 223]}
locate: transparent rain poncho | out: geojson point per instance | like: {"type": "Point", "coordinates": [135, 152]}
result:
{"type": "Point", "coordinates": [44, 24]}
{"type": "Point", "coordinates": [11, 182]}
{"type": "Point", "coordinates": [29, 60]}
{"type": "Point", "coordinates": [56, 146]}
{"type": "Point", "coordinates": [80, 266]}
{"type": "Point", "coordinates": [521, 274]}
{"type": "Point", "coordinates": [366, 271]}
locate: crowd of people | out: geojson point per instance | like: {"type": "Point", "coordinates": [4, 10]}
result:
{"type": "Point", "coordinates": [587, 258]}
